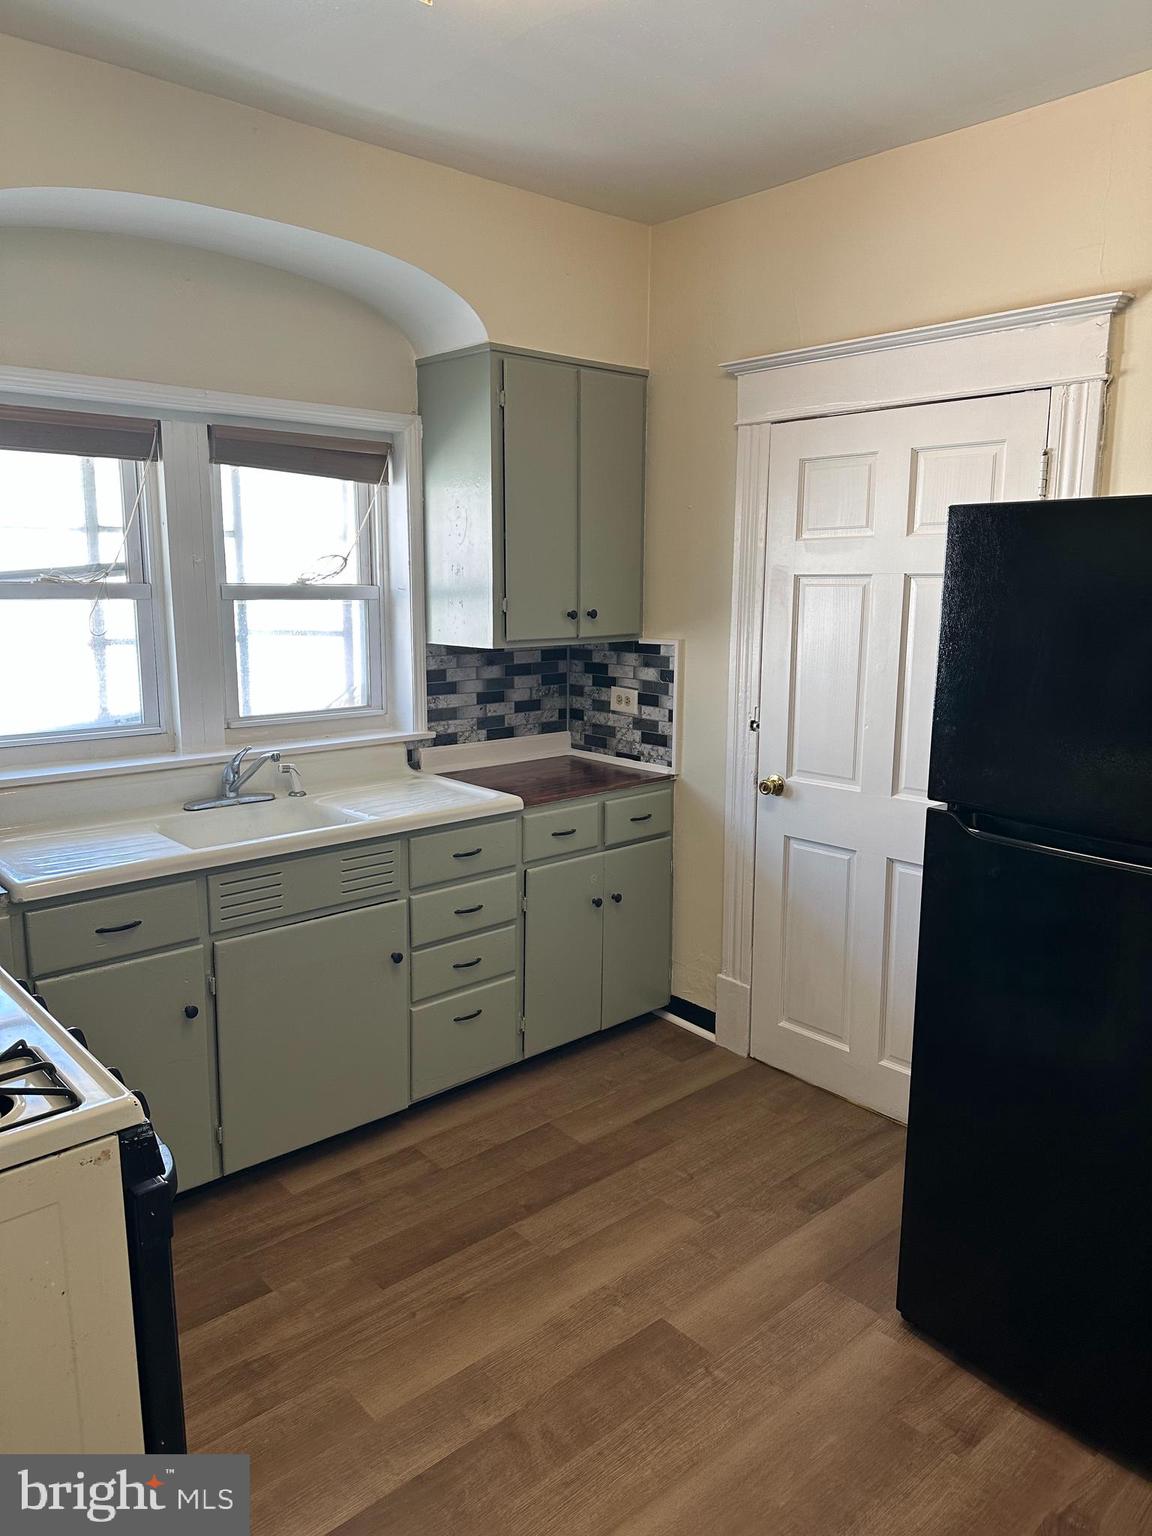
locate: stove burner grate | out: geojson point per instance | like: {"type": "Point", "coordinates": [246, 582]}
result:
{"type": "Point", "coordinates": [20, 1064]}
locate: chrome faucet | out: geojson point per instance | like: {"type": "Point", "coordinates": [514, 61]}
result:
{"type": "Point", "coordinates": [236, 774]}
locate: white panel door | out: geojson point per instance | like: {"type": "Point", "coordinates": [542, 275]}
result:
{"type": "Point", "coordinates": [857, 515]}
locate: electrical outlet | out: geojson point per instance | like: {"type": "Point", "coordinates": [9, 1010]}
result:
{"type": "Point", "coordinates": [625, 701]}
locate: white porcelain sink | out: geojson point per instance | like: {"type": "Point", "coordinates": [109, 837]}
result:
{"type": "Point", "coordinates": [229, 825]}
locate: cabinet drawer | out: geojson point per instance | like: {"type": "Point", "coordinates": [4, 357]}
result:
{"type": "Point", "coordinates": [463, 963]}
{"type": "Point", "coordinates": [464, 1036]}
{"type": "Point", "coordinates": [464, 908]}
{"type": "Point", "coordinates": [462, 851]}
{"type": "Point", "coordinates": [630, 817]}
{"type": "Point", "coordinates": [106, 927]}
{"type": "Point", "coordinates": [563, 829]}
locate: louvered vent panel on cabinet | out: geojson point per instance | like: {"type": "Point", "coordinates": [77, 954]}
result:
{"type": "Point", "coordinates": [368, 873]}
{"type": "Point", "coordinates": [246, 896]}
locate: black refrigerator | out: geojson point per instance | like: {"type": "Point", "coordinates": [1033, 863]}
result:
{"type": "Point", "coordinates": [1026, 1245]}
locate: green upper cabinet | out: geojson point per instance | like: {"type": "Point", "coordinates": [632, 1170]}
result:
{"type": "Point", "coordinates": [611, 496]}
{"type": "Point", "coordinates": [534, 499]}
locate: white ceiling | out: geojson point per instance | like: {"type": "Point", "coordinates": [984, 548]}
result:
{"type": "Point", "coordinates": [647, 108]}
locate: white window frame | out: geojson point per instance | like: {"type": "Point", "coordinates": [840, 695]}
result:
{"type": "Point", "coordinates": [191, 640]}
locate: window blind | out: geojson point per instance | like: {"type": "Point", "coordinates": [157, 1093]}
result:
{"type": "Point", "coordinates": [32, 430]}
{"type": "Point", "coordinates": [336, 458]}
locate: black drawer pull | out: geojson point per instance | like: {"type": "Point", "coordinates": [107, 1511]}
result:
{"type": "Point", "coordinates": [466, 965]}
{"type": "Point", "coordinates": [571, 832]}
{"type": "Point", "coordinates": [462, 1018]}
{"type": "Point", "coordinates": [597, 901]}
{"type": "Point", "coordinates": [122, 927]}
{"type": "Point", "coordinates": [646, 817]}
{"type": "Point", "coordinates": [570, 613]}
{"type": "Point", "coordinates": [593, 613]}
{"type": "Point", "coordinates": [467, 911]}
{"type": "Point", "coordinates": [469, 853]}
{"type": "Point", "coordinates": [397, 956]}
{"type": "Point", "coordinates": [617, 897]}
{"type": "Point", "coordinates": [191, 1011]}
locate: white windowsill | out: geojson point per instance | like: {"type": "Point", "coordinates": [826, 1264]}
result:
{"type": "Point", "coordinates": [57, 773]}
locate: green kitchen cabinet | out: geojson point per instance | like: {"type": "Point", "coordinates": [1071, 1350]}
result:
{"type": "Point", "coordinates": [563, 951]}
{"type": "Point", "coordinates": [637, 929]}
{"type": "Point", "coordinates": [150, 1019]}
{"type": "Point", "coordinates": [312, 1027]}
{"type": "Point", "coordinates": [597, 941]}
{"type": "Point", "coordinates": [534, 498]}
{"type": "Point", "coordinates": [7, 945]}
{"type": "Point", "coordinates": [611, 499]}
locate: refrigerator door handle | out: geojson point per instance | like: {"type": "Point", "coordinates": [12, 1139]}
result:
{"type": "Point", "coordinates": [1059, 853]}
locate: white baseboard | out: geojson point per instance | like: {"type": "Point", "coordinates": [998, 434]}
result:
{"type": "Point", "coordinates": [693, 1029]}
{"type": "Point", "coordinates": [734, 1015]}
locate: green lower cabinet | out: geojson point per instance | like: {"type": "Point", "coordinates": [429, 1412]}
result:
{"type": "Point", "coordinates": [149, 1018]}
{"type": "Point", "coordinates": [637, 929]}
{"type": "Point", "coordinates": [563, 951]}
{"type": "Point", "coordinates": [7, 945]}
{"type": "Point", "coordinates": [312, 1026]}
{"type": "Point", "coordinates": [464, 1036]}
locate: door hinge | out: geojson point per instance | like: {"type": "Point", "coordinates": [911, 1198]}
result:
{"type": "Point", "coordinates": [754, 723]}
{"type": "Point", "coordinates": [219, 1135]}
{"type": "Point", "coordinates": [1045, 470]}
{"type": "Point", "coordinates": [212, 985]}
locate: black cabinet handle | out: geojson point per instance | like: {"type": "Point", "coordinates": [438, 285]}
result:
{"type": "Point", "coordinates": [469, 853]}
{"type": "Point", "coordinates": [571, 832]}
{"type": "Point", "coordinates": [397, 956]}
{"type": "Point", "coordinates": [593, 613]}
{"type": "Point", "coordinates": [122, 927]}
{"type": "Point", "coordinates": [191, 1011]}
{"type": "Point", "coordinates": [646, 817]}
{"type": "Point", "coordinates": [571, 613]}
{"type": "Point", "coordinates": [466, 965]}
{"type": "Point", "coordinates": [462, 1018]}
{"type": "Point", "coordinates": [467, 911]}
{"type": "Point", "coordinates": [617, 897]}
{"type": "Point", "coordinates": [597, 901]}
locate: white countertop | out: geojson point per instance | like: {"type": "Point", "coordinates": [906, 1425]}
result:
{"type": "Point", "coordinates": [67, 857]}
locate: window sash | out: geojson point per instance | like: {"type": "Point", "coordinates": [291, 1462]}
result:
{"type": "Point", "coordinates": [138, 479]}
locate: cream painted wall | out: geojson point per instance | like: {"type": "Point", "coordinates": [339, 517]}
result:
{"type": "Point", "coordinates": [143, 309]}
{"type": "Point", "coordinates": [1043, 205]}
{"type": "Point", "coordinates": [540, 273]}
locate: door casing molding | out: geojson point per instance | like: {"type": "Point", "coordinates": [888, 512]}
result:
{"type": "Point", "coordinates": [1063, 347]}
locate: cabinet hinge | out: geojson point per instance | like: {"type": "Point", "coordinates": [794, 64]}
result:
{"type": "Point", "coordinates": [523, 903]}
{"type": "Point", "coordinates": [522, 1022]}
{"type": "Point", "coordinates": [212, 985]}
{"type": "Point", "coordinates": [503, 605]}
{"type": "Point", "coordinates": [219, 1135]}
{"type": "Point", "coordinates": [502, 397]}
{"type": "Point", "coordinates": [1045, 470]}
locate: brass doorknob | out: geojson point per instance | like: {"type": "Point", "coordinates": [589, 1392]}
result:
{"type": "Point", "coordinates": [772, 786]}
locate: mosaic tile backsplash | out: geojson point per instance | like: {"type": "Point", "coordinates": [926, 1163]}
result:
{"type": "Point", "coordinates": [494, 695]}
{"type": "Point", "coordinates": [593, 671]}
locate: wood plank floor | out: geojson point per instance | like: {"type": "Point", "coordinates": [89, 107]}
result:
{"type": "Point", "coordinates": [637, 1286]}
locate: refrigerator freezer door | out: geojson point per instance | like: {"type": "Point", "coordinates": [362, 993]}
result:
{"type": "Point", "coordinates": [1044, 686]}
{"type": "Point", "coordinates": [1026, 1246]}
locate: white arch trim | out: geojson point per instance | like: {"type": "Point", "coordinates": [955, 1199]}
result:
{"type": "Point", "coordinates": [432, 316]}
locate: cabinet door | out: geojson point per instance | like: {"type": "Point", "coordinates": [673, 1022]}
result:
{"type": "Point", "coordinates": [563, 942]}
{"type": "Point", "coordinates": [611, 502]}
{"type": "Point", "coordinates": [637, 929]}
{"type": "Point", "coordinates": [7, 944]}
{"type": "Point", "coordinates": [135, 1017]}
{"type": "Point", "coordinates": [312, 1023]}
{"type": "Point", "coordinates": [540, 510]}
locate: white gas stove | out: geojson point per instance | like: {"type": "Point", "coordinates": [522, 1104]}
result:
{"type": "Point", "coordinates": [88, 1322]}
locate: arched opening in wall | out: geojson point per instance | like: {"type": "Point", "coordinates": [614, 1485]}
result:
{"type": "Point", "coordinates": [432, 316]}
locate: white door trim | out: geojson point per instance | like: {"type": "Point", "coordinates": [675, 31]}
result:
{"type": "Point", "coordinates": [1062, 347]}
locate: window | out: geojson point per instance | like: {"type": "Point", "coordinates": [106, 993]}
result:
{"type": "Point", "coordinates": [180, 586]}
{"type": "Point", "coordinates": [77, 626]}
{"type": "Point", "coordinates": [299, 547]}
